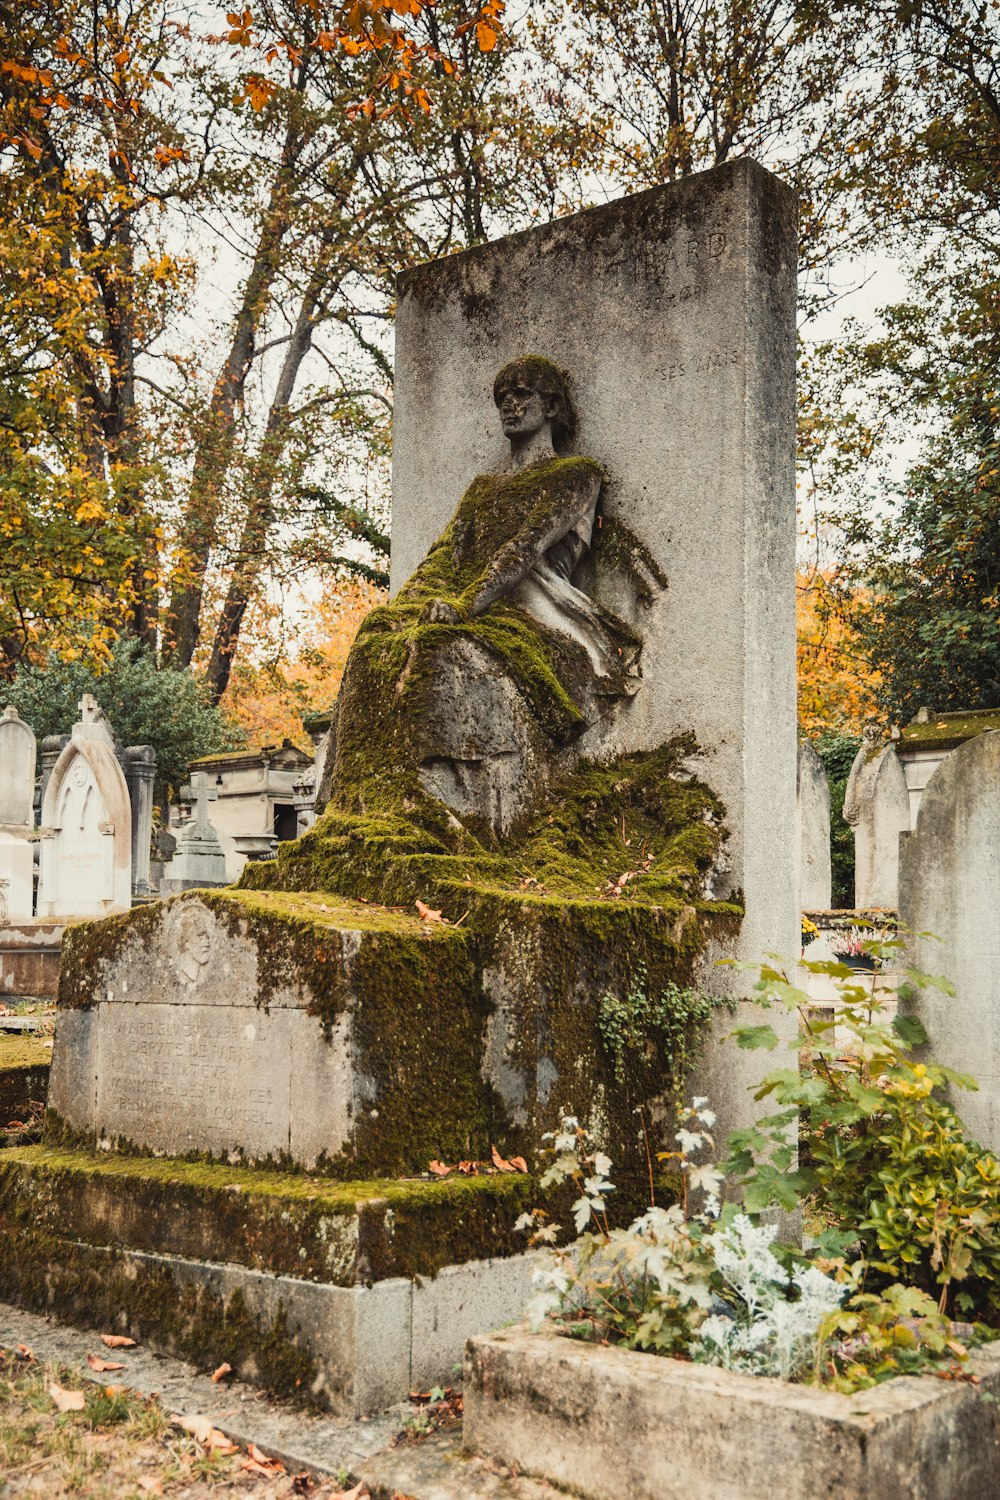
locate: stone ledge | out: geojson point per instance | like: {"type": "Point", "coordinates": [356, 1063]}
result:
{"type": "Point", "coordinates": [347, 1349]}
{"type": "Point", "coordinates": [286, 1223]}
{"type": "Point", "coordinates": [610, 1422]}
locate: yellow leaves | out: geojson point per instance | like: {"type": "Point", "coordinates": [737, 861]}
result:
{"type": "Point", "coordinates": [258, 90]}
{"type": "Point", "coordinates": [91, 510]}
{"type": "Point", "coordinates": [162, 269]}
{"type": "Point", "coordinates": [486, 36]}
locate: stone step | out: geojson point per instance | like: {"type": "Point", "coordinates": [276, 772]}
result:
{"type": "Point", "coordinates": [347, 1292]}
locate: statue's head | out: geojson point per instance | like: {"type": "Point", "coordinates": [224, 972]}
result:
{"type": "Point", "coordinates": [531, 393]}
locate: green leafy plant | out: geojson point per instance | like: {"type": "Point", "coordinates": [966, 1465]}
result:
{"type": "Point", "coordinates": [884, 1165]}
{"type": "Point", "coordinates": [644, 1025]}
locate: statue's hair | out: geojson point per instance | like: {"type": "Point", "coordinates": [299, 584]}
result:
{"type": "Point", "coordinates": [546, 378]}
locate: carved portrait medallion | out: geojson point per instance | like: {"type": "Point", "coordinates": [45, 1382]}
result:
{"type": "Point", "coordinates": [190, 938]}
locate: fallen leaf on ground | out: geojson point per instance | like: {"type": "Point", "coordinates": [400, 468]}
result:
{"type": "Point", "coordinates": [103, 1366]}
{"type": "Point", "coordinates": [426, 915]}
{"type": "Point", "coordinates": [203, 1432]}
{"type": "Point", "coordinates": [438, 1168]}
{"type": "Point", "coordinates": [303, 1484]}
{"type": "Point", "coordinates": [358, 1491]}
{"type": "Point", "coordinates": [117, 1341]}
{"type": "Point", "coordinates": [258, 1463]}
{"type": "Point", "coordinates": [116, 1390]}
{"type": "Point", "coordinates": [24, 1351]}
{"type": "Point", "coordinates": [150, 1485]}
{"type": "Point", "coordinates": [221, 1373]}
{"type": "Point", "coordinates": [67, 1400]}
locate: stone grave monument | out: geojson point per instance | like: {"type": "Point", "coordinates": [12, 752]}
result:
{"type": "Point", "coordinates": [949, 899]}
{"type": "Point", "coordinates": [812, 827]}
{"type": "Point", "coordinates": [86, 851]}
{"type": "Point", "coordinates": [198, 859]}
{"type": "Point", "coordinates": [17, 817]}
{"type": "Point", "coordinates": [877, 805]}
{"type": "Point", "coordinates": [564, 768]}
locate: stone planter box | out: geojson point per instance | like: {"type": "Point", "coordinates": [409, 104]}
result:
{"type": "Point", "coordinates": [606, 1423]}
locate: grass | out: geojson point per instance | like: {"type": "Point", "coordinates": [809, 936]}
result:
{"type": "Point", "coordinates": [121, 1446]}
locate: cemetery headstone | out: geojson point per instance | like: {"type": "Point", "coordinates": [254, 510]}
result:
{"type": "Point", "coordinates": [877, 805]}
{"type": "Point", "coordinates": [17, 771]}
{"type": "Point", "coordinates": [812, 818]}
{"type": "Point", "coordinates": [673, 314]}
{"type": "Point", "coordinates": [949, 898]}
{"type": "Point", "coordinates": [17, 865]}
{"type": "Point", "coordinates": [86, 846]}
{"type": "Point", "coordinates": [198, 860]}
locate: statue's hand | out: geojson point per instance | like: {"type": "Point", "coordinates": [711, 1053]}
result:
{"type": "Point", "coordinates": [440, 612]}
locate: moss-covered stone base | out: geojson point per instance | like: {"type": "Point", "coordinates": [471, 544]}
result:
{"type": "Point", "coordinates": [344, 1233]}
{"type": "Point", "coordinates": [274, 1273]}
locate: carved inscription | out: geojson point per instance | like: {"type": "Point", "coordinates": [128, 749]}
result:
{"type": "Point", "coordinates": [679, 268]}
{"type": "Point", "coordinates": [220, 1072]}
{"type": "Point", "coordinates": [703, 364]}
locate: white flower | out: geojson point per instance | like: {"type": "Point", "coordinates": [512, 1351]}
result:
{"type": "Point", "coordinates": [690, 1141]}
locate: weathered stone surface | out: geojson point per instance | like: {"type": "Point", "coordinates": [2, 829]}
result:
{"type": "Point", "coordinates": [86, 850]}
{"type": "Point", "coordinates": [17, 886]}
{"type": "Point", "coordinates": [338, 1285]}
{"type": "Point", "coordinates": [812, 826]}
{"type": "Point", "coordinates": [609, 1422]}
{"type": "Point", "coordinates": [673, 311]}
{"type": "Point", "coordinates": [29, 960]}
{"type": "Point", "coordinates": [140, 776]}
{"type": "Point", "coordinates": [949, 890]}
{"type": "Point", "coordinates": [198, 859]}
{"type": "Point", "coordinates": [877, 805]}
{"type": "Point", "coordinates": [17, 770]}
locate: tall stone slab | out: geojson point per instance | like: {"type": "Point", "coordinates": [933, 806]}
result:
{"type": "Point", "coordinates": [86, 849]}
{"type": "Point", "coordinates": [812, 824]}
{"type": "Point", "coordinates": [673, 313]}
{"type": "Point", "coordinates": [949, 890]}
{"type": "Point", "coordinates": [140, 777]}
{"type": "Point", "coordinates": [17, 771]}
{"type": "Point", "coordinates": [877, 805]}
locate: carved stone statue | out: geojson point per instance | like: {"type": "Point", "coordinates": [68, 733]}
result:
{"type": "Point", "coordinates": [472, 684]}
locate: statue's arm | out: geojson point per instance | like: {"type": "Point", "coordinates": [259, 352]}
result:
{"type": "Point", "coordinates": [516, 558]}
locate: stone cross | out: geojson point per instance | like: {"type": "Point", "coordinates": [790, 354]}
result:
{"type": "Point", "coordinates": [201, 795]}
{"type": "Point", "coordinates": [90, 710]}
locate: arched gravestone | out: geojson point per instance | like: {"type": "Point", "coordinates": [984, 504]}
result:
{"type": "Point", "coordinates": [17, 771]}
{"type": "Point", "coordinates": [877, 804]}
{"type": "Point", "coordinates": [949, 886]}
{"type": "Point", "coordinates": [86, 852]}
{"type": "Point", "coordinates": [812, 826]}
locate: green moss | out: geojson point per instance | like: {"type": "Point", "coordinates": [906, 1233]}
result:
{"type": "Point", "coordinates": [946, 731]}
{"type": "Point", "coordinates": [307, 1227]}
{"type": "Point", "coordinates": [20, 1051]}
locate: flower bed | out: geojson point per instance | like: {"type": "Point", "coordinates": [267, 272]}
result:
{"type": "Point", "coordinates": [609, 1422]}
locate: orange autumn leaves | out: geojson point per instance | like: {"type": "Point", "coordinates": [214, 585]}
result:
{"type": "Point", "coordinates": [835, 683]}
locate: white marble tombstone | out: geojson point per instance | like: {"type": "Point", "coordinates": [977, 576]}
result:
{"type": "Point", "coordinates": [949, 897]}
{"type": "Point", "coordinates": [17, 771]}
{"type": "Point", "coordinates": [877, 805]}
{"type": "Point", "coordinates": [17, 863]}
{"type": "Point", "coordinates": [86, 850]}
{"type": "Point", "coordinates": [812, 827]}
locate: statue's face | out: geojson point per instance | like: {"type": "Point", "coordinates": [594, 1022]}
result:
{"type": "Point", "coordinates": [524, 410]}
